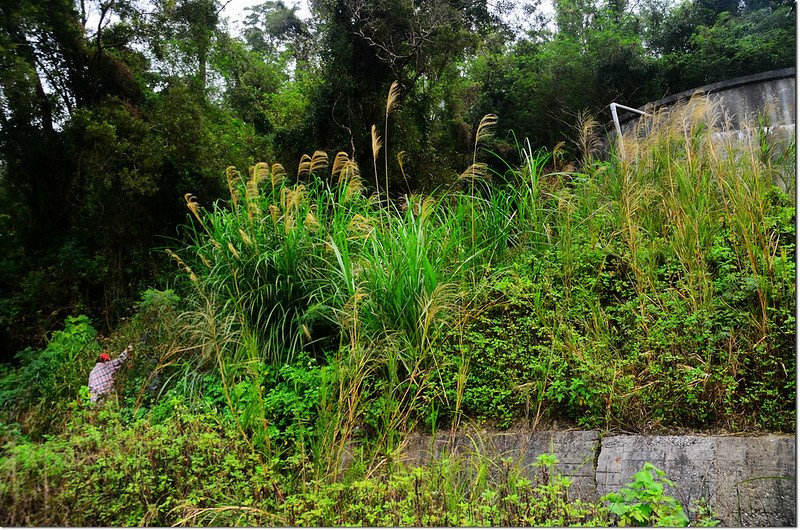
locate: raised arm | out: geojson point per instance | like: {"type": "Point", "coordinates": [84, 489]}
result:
{"type": "Point", "coordinates": [117, 363]}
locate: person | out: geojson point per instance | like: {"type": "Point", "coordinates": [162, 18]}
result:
{"type": "Point", "coordinates": [101, 378]}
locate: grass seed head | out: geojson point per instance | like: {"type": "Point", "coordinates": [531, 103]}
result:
{"type": "Point", "coordinates": [233, 177]}
{"type": "Point", "coordinates": [377, 143]}
{"type": "Point", "coordinates": [339, 162]}
{"type": "Point", "coordinates": [193, 205]}
{"type": "Point", "coordinates": [304, 167]}
{"type": "Point", "coordinates": [485, 128]}
{"type": "Point", "coordinates": [182, 264]}
{"type": "Point", "coordinates": [359, 226]}
{"type": "Point", "coordinates": [311, 222]}
{"type": "Point", "coordinates": [393, 98]}
{"type": "Point", "coordinates": [278, 174]}
{"type": "Point", "coordinates": [261, 172]}
{"type": "Point", "coordinates": [319, 161]}
{"type": "Point", "coordinates": [349, 172]}
{"type": "Point", "coordinates": [478, 170]}
{"type": "Point", "coordinates": [246, 238]}
{"type": "Point", "coordinates": [275, 213]}
{"type": "Point", "coordinates": [233, 250]}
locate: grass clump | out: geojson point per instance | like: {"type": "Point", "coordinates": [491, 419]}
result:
{"type": "Point", "coordinates": [318, 325]}
{"type": "Point", "coordinates": [317, 269]}
{"type": "Point", "coordinates": [662, 296]}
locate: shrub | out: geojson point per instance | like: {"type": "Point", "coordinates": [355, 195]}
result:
{"type": "Point", "coordinates": [39, 393]}
{"type": "Point", "coordinates": [643, 502]}
{"type": "Point", "coordinates": [102, 472]}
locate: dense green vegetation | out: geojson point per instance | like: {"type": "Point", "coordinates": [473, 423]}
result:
{"type": "Point", "coordinates": [293, 321]}
{"type": "Point", "coordinates": [317, 326]}
{"type": "Point", "coordinates": [189, 470]}
{"type": "Point", "coordinates": [111, 110]}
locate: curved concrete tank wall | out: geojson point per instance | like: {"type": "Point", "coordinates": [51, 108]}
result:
{"type": "Point", "coordinates": [743, 100]}
{"type": "Point", "coordinates": [762, 102]}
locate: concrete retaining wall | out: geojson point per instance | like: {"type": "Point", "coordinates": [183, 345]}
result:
{"type": "Point", "coordinates": [748, 481]}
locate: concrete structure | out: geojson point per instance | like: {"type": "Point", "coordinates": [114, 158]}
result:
{"type": "Point", "coordinates": [746, 480]}
{"type": "Point", "coordinates": [575, 450]}
{"type": "Point", "coordinates": [760, 104]}
{"type": "Point", "coordinates": [770, 95]}
{"type": "Point", "coordinates": [749, 481]}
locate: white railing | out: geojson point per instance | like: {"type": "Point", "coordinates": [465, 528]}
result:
{"type": "Point", "coordinates": [614, 107]}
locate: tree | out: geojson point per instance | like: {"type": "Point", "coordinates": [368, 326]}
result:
{"type": "Point", "coordinates": [272, 27]}
{"type": "Point", "coordinates": [732, 44]}
{"type": "Point", "coordinates": [365, 46]}
{"type": "Point", "coordinates": [49, 72]}
{"type": "Point", "coordinates": [97, 149]}
{"type": "Point", "coordinates": [181, 36]}
{"type": "Point", "coordinates": [541, 85]}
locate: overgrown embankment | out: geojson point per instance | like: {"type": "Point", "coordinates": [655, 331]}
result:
{"type": "Point", "coordinates": [311, 324]}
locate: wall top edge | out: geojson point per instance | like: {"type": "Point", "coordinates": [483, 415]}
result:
{"type": "Point", "coordinates": [720, 86]}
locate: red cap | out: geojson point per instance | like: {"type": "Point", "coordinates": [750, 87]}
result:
{"type": "Point", "coordinates": [104, 357]}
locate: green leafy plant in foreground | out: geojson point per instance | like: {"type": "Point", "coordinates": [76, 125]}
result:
{"type": "Point", "coordinates": [644, 503]}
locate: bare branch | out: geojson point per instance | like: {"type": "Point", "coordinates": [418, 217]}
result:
{"type": "Point", "coordinates": [399, 47]}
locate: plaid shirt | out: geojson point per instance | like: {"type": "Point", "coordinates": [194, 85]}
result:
{"type": "Point", "coordinates": [101, 378]}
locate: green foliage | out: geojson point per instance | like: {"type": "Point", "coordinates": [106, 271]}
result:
{"type": "Point", "coordinates": [636, 302]}
{"type": "Point", "coordinates": [643, 502]}
{"type": "Point", "coordinates": [541, 84]}
{"type": "Point", "coordinates": [649, 291]}
{"type": "Point", "coordinates": [316, 267]}
{"type": "Point", "coordinates": [292, 401]}
{"type": "Point", "coordinates": [192, 468]}
{"type": "Point", "coordinates": [41, 392]}
{"type": "Point", "coordinates": [126, 114]}
{"type": "Point", "coordinates": [445, 493]}
{"type": "Point", "coordinates": [101, 472]}
{"type": "Point", "coordinates": [697, 44]}
{"type": "Point", "coordinates": [155, 306]}
{"type": "Point", "coordinates": [276, 406]}
{"type": "Point", "coordinates": [507, 355]}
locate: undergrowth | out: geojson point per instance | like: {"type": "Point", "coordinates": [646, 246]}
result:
{"type": "Point", "coordinates": [313, 325]}
{"type": "Point", "coordinates": [662, 293]}
{"type": "Point", "coordinates": [191, 469]}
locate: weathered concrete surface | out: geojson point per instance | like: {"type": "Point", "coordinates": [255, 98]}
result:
{"type": "Point", "coordinates": [770, 94]}
{"type": "Point", "coordinates": [750, 481]}
{"type": "Point", "coordinates": [687, 460]}
{"type": "Point", "coordinates": [758, 480]}
{"type": "Point", "coordinates": [576, 452]}
{"type": "Point", "coordinates": [747, 481]}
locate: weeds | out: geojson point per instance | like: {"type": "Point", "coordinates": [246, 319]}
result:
{"type": "Point", "coordinates": [317, 326]}
{"type": "Point", "coordinates": [193, 470]}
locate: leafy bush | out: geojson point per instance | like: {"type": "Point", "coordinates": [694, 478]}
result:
{"type": "Point", "coordinates": [39, 393]}
{"type": "Point", "coordinates": [643, 502]}
{"type": "Point", "coordinates": [102, 472]}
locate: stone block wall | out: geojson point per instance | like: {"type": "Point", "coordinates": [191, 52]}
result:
{"type": "Point", "coordinates": [747, 480]}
